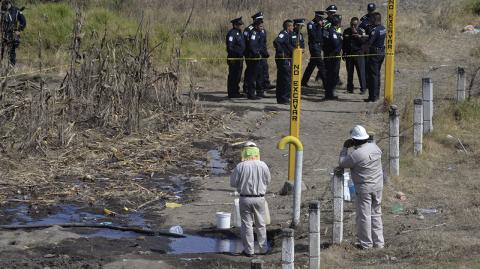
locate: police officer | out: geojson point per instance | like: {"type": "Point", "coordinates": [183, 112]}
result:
{"type": "Point", "coordinates": [331, 11]}
{"type": "Point", "coordinates": [235, 50]}
{"type": "Point", "coordinates": [265, 55]}
{"type": "Point", "coordinates": [332, 49]}
{"type": "Point", "coordinates": [376, 51]}
{"type": "Point", "coordinates": [254, 77]}
{"type": "Point", "coordinates": [365, 20]}
{"type": "Point", "coordinates": [296, 38]}
{"type": "Point", "coordinates": [246, 33]}
{"type": "Point", "coordinates": [283, 60]}
{"type": "Point", "coordinates": [353, 43]}
{"type": "Point", "coordinates": [315, 43]}
{"type": "Point", "coordinates": [13, 22]}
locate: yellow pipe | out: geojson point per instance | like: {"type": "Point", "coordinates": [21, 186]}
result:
{"type": "Point", "coordinates": [290, 140]}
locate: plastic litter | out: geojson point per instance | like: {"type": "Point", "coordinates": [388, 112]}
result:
{"type": "Point", "coordinates": [177, 229]}
{"type": "Point", "coordinates": [172, 205]}
{"type": "Point", "coordinates": [427, 211]}
{"type": "Point", "coordinates": [397, 209]}
{"type": "Point", "coordinates": [109, 212]}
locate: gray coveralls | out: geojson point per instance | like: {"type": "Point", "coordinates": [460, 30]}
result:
{"type": "Point", "coordinates": [365, 163]}
{"type": "Point", "coordinates": [251, 178]}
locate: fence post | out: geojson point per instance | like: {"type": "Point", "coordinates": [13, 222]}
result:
{"type": "Point", "coordinates": [337, 206]}
{"type": "Point", "coordinates": [288, 249]}
{"type": "Point", "coordinates": [257, 264]}
{"type": "Point", "coordinates": [417, 126]}
{"type": "Point", "coordinates": [314, 234]}
{"type": "Point", "coordinates": [427, 86]}
{"type": "Point", "coordinates": [461, 84]}
{"type": "Point", "coordinates": [394, 141]}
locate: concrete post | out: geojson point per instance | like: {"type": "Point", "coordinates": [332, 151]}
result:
{"type": "Point", "coordinates": [461, 84]}
{"type": "Point", "coordinates": [417, 126]}
{"type": "Point", "coordinates": [427, 86]}
{"type": "Point", "coordinates": [257, 264]}
{"type": "Point", "coordinates": [288, 249]}
{"type": "Point", "coordinates": [337, 206]}
{"type": "Point", "coordinates": [394, 141]}
{"type": "Point", "coordinates": [314, 234]}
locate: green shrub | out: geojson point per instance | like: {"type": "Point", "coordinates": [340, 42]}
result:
{"type": "Point", "coordinates": [474, 6]}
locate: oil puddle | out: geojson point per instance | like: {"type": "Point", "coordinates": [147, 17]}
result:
{"type": "Point", "coordinates": [217, 165]}
{"type": "Point", "coordinates": [195, 244]}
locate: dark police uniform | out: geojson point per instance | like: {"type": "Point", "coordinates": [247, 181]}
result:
{"type": "Point", "coordinates": [353, 46]}
{"type": "Point", "coordinates": [376, 49]}
{"type": "Point", "coordinates": [235, 49]}
{"type": "Point", "coordinates": [253, 55]}
{"type": "Point", "coordinates": [332, 48]}
{"type": "Point", "coordinates": [246, 33]}
{"type": "Point", "coordinates": [283, 60]}
{"type": "Point", "coordinates": [13, 20]}
{"type": "Point", "coordinates": [365, 20]}
{"type": "Point", "coordinates": [315, 44]}
{"type": "Point", "coordinates": [264, 62]}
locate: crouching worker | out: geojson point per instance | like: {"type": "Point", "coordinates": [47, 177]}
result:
{"type": "Point", "coordinates": [251, 178]}
{"type": "Point", "coordinates": [365, 163]}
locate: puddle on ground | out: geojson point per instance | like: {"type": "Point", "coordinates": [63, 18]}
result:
{"type": "Point", "coordinates": [194, 244]}
{"type": "Point", "coordinates": [216, 164]}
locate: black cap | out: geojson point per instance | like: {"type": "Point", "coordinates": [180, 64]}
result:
{"type": "Point", "coordinates": [237, 21]}
{"type": "Point", "coordinates": [287, 21]}
{"type": "Point", "coordinates": [332, 8]}
{"type": "Point", "coordinates": [371, 7]}
{"type": "Point", "coordinates": [299, 21]}
{"type": "Point", "coordinates": [257, 16]}
{"type": "Point", "coordinates": [319, 13]}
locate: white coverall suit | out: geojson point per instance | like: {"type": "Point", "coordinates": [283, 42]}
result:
{"type": "Point", "coordinates": [365, 163]}
{"type": "Point", "coordinates": [251, 178]}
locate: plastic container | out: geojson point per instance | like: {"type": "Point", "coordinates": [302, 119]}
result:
{"type": "Point", "coordinates": [177, 229]}
{"type": "Point", "coordinates": [266, 217]}
{"type": "Point", "coordinates": [223, 220]}
{"type": "Point", "coordinates": [236, 219]}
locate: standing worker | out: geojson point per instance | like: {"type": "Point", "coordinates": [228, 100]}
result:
{"type": "Point", "coordinates": [283, 60]}
{"type": "Point", "coordinates": [235, 50]}
{"type": "Point", "coordinates": [251, 178]}
{"type": "Point", "coordinates": [13, 22]}
{"type": "Point", "coordinates": [332, 49]}
{"type": "Point", "coordinates": [246, 33]}
{"type": "Point", "coordinates": [315, 44]}
{"type": "Point", "coordinates": [253, 81]}
{"type": "Point", "coordinates": [353, 43]}
{"type": "Point", "coordinates": [331, 12]}
{"type": "Point", "coordinates": [376, 51]}
{"type": "Point", "coordinates": [265, 55]}
{"type": "Point", "coordinates": [365, 164]}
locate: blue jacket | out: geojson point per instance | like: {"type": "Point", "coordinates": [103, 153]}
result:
{"type": "Point", "coordinates": [376, 39]}
{"type": "Point", "coordinates": [282, 45]}
{"type": "Point", "coordinates": [297, 38]}
{"type": "Point", "coordinates": [13, 20]}
{"type": "Point", "coordinates": [254, 43]}
{"type": "Point", "coordinates": [235, 43]}
{"type": "Point", "coordinates": [315, 38]}
{"type": "Point", "coordinates": [333, 42]}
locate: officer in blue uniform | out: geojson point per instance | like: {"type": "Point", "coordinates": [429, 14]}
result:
{"type": "Point", "coordinates": [332, 48]}
{"type": "Point", "coordinates": [331, 12]}
{"type": "Point", "coordinates": [376, 51]}
{"type": "Point", "coordinates": [13, 22]}
{"type": "Point", "coordinates": [296, 38]}
{"type": "Point", "coordinates": [315, 43]}
{"type": "Point", "coordinates": [235, 49]}
{"type": "Point", "coordinates": [246, 33]}
{"type": "Point", "coordinates": [283, 60]}
{"type": "Point", "coordinates": [354, 39]}
{"type": "Point", "coordinates": [254, 76]}
{"type": "Point", "coordinates": [365, 20]}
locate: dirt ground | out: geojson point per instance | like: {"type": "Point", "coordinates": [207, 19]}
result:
{"type": "Point", "coordinates": [324, 127]}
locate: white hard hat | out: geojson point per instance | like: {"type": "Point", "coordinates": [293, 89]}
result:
{"type": "Point", "coordinates": [359, 133]}
{"type": "Point", "coordinates": [249, 144]}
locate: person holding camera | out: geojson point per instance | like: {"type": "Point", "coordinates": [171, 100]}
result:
{"type": "Point", "coordinates": [364, 159]}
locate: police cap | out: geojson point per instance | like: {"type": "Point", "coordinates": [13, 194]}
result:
{"type": "Point", "coordinates": [299, 21]}
{"type": "Point", "coordinates": [237, 21]}
{"type": "Point", "coordinates": [257, 16]}
{"type": "Point", "coordinates": [332, 8]}
{"type": "Point", "coordinates": [319, 13]}
{"type": "Point", "coordinates": [371, 7]}
{"type": "Point", "coordinates": [336, 19]}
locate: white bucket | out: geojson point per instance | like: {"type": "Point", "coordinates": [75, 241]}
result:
{"type": "Point", "coordinates": [223, 220]}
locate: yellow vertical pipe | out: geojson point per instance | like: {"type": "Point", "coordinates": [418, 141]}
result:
{"type": "Point", "coordinates": [296, 93]}
{"type": "Point", "coordinates": [390, 51]}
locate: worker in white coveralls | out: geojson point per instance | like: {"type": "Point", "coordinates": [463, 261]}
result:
{"type": "Point", "coordinates": [251, 178]}
{"type": "Point", "coordinates": [365, 163]}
